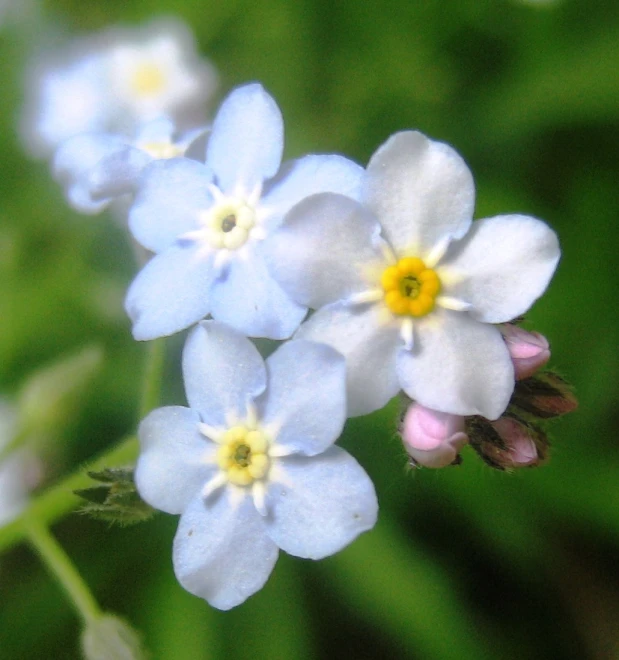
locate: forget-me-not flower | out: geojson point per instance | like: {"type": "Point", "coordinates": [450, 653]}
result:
{"type": "Point", "coordinates": [115, 81]}
{"type": "Point", "coordinates": [96, 168]}
{"type": "Point", "coordinates": [208, 224]}
{"type": "Point", "coordinates": [250, 465]}
{"type": "Point", "coordinates": [414, 311]}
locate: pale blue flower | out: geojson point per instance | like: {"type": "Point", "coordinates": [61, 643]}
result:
{"type": "Point", "coordinates": [114, 81]}
{"type": "Point", "coordinates": [208, 224]}
{"type": "Point", "coordinates": [96, 168]}
{"type": "Point", "coordinates": [251, 465]}
{"type": "Point", "coordinates": [414, 310]}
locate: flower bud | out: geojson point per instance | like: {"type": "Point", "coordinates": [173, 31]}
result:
{"type": "Point", "coordinates": [431, 438]}
{"type": "Point", "coordinates": [528, 350]}
{"type": "Point", "coordinates": [507, 443]}
{"type": "Point", "coordinates": [111, 638]}
{"type": "Point", "coordinates": [20, 469]}
{"type": "Point", "coordinates": [521, 449]}
{"type": "Point", "coordinates": [544, 396]}
{"type": "Point", "coordinates": [50, 397]}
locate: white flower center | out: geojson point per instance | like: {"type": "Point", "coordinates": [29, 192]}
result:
{"type": "Point", "coordinates": [228, 223]}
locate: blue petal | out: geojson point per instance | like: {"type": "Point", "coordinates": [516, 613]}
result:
{"type": "Point", "coordinates": [222, 552]}
{"type": "Point", "coordinates": [156, 130]}
{"type": "Point", "coordinates": [171, 195]}
{"type": "Point", "coordinates": [250, 300]}
{"type": "Point", "coordinates": [117, 173]}
{"type": "Point", "coordinates": [306, 396]}
{"type": "Point", "coordinates": [322, 251]}
{"type": "Point", "coordinates": [74, 161]}
{"type": "Point", "coordinates": [458, 365]}
{"type": "Point", "coordinates": [172, 469]}
{"type": "Point", "coordinates": [370, 347]}
{"type": "Point", "coordinates": [171, 292]}
{"type": "Point", "coordinates": [309, 176]}
{"type": "Point", "coordinates": [223, 372]}
{"type": "Point", "coordinates": [247, 140]}
{"type": "Point", "coordinates": [321, 504]}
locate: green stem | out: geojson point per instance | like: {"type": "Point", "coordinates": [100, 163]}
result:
{"type": "Point", "coordinates": [62, 568]}
{"type": "Point", "coordinates": [59, 500]}
{"type": "Point", "coordinates": [153, 375]}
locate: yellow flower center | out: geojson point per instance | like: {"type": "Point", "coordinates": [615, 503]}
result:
{"type": "Point", "coordinates": [229, 223]}
{"type": "Point", "coordinates": [162, 150]}
{"type": "Point", "coordinates": [410, 288]}
{"type": "Point", "coordinates": [147, 79]}
{"type": "Point", "coordinates": [243, 455]}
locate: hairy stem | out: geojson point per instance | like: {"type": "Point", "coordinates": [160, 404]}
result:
{"type": "Point", "coordinates": [59, 500]}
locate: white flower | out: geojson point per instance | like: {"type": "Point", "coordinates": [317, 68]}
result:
{"type": "Point", "coordinates": [64, 97]}
{"type": "Point", "coordinates": [414, 311]}
{"type": "Point", "coordinates": [96, 168]}
{"type": "Point", "coordinates": [209, 224]}
{"type": "Point", "coordinates": [114, 81]}
{"type": "Point", "coordinates": [156, 71]}
{"type": "Point", "coordinates": [251, 465]}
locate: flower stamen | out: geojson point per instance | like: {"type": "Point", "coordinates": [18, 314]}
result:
{"type": "Point", "coordinates": [410, 287]}
{"type": "Point", "coordinates": [147, 79]}
{"type": "Point", "coordinates": [162, 150]}
{"type": "Point", "coordinates": [243, 455]}
{"type": "Point", "coordinates": [228, 223]}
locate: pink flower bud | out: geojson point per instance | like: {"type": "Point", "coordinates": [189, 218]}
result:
{"type": "Point", "coordinates": [431, 438]}
{"type": "Point", "coordinates": [529, 350]}
{"type": "Point", "coordinates": [521, 449]}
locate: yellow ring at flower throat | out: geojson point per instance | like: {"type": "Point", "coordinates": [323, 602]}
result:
{"type": "Point", "coordinates": [243, 455]}
{"type": "Point", "coordinates": [148, 79]}
{"type": "Point", "coordinates": [410, 288]}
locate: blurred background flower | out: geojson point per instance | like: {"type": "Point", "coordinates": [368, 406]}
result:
{"type": "Point", "coordinates": [464, 562]}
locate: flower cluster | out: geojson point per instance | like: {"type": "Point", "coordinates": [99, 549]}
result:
{"type": "Point", "coordinates": [115, 81]}
{"type": "Point", "coordinates": [377, 277]}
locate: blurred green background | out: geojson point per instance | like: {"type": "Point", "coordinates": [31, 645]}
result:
{"type": "Point", "coordinates": [464, 562]}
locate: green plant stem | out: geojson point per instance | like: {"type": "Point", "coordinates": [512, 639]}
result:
{"type": "Point", "coordinates": [59, 500]}
{"type": "Point", "coordinates": [153, 374]}
{"type": "Point", "coordinates": [62, 568]}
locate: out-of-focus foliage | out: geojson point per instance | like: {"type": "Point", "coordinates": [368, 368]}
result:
{"type": "Point", "coordinates": [464, 562]}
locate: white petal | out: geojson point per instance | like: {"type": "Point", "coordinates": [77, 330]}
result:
{"type": "Point", "coordinates": [117, 173]}
{"type": "Point", "coordinates": [170, 197]}
{"type": "Point", "coordinates": [307, 176]}
{"type": "Point", "coordinates": [324, 249]}
{"type": "Point", "coordinates": [247, 140]}
{"type": "Point", "coordinates": [171, 292]}
{"type": "Point", "coordinates": [172, 468]}
{"type": "Point", "coordinates": [421, 190]}
{"type": "Point", "coordinates": [320, 504]}
{"type": "Point", "coordinates": [370, 349]}
{"type": "Point", "coordinates": [306, 396]}
{"type": "Point", "coordinates": [457, 365]}
{"type": "Point", "coordinates": [223, 372]}
{"type": "Point", "coordinates": [222, 552]}
{"type": "Point", "coordinates": [502, 266]}
{"type": "Point", "coordinates": [249, 299]}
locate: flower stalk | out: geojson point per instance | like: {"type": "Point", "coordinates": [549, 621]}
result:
{"type": "Point", "coordinates": [62, 568]}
